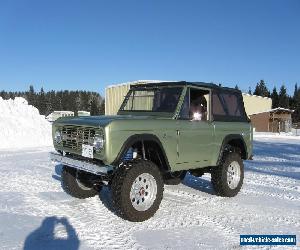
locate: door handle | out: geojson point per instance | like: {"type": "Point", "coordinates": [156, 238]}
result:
{"type": "Point", "coordinates": [177, 144]}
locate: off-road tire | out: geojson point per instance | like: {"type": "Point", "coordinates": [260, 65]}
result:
{"type": "Point", "coordinates": [71, 186]}
{"type": "Point", "coordinates": [121, 185]}
{"type": "Point", "coordinates": [172, 180]}
{"type": "Point", "coordinates": [219, 175]}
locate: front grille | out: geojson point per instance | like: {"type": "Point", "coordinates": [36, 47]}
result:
{"type": "Point", "coordinates": [74, 136]}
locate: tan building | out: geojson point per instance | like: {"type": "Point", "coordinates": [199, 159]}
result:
{"type": "Point", "coordinates": [114, 95]}
{"type": "Point", "coordinates": [256, 104]}
{"type": "Point", "coordinates": [274, 120]}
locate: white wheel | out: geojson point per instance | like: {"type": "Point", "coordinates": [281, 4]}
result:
{"type": "Point", "coordinates": [137, 190]}
{"type": "Point", "coordinates": [143, 192]}
{"type": "Point", "coordinates": [233, 174]}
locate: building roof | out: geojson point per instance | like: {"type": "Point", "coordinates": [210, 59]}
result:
{"type": "Point", "coordinates": [275, 110]}
{"type": "Point", "coordinates": [258, 96]}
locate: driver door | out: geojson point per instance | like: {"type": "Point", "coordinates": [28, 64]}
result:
{"type": "Point", "coordinates": [195, 132]}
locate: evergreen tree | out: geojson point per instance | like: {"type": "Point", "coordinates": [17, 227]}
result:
{"type": "Point", "coordinates": [4, 95]}
{"type": "Point", "coordinates": [275, 98]}
{"type": "Point", "coordinates": [94, 107]}
{"type": "Point", "coordinates": [41, 104]}
{"type": "Point", "coordinates": [31, 96]}
{"type": "Point", "coordinates": [296, 107]}
{"type": "Point", "coordinates": [296, 91]}
{"type": "Point", "coordinates": [77, 103]}
{"type": "Point", "coordinates": [261, 89]}
{"type": "Point", "coordinates": [250, 91]}
{"type": "Point", "coordinates": [283, 98]}
{"type": "Point", "coordinates": [47, 102]}
{"type": "Point", "coordinates": [236, 87]}
{"type": "Point", "coordinates": [102, 108]}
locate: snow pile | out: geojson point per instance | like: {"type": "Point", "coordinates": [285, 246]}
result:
{"type": "Point", "coordinates": [21, 125]}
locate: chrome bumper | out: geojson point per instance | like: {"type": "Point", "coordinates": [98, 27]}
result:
{"type": "Point", "coordinates": [81, 165]}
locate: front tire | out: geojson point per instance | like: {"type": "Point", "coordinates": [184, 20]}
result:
{"type": "Point", "coordinates": [227, 179]}
{"type": "Point", "coordinates": [137, 190]}
{"type": "Point", "coordinates": [73, 183]}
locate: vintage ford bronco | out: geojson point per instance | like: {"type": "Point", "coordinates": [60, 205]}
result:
{"type": "Point", "coordinates": [162, 131]}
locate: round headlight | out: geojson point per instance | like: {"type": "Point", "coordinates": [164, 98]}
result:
{"type": "Point", "coordinates": [98, 142]}
{"type": "Point", "coordinates": [58, 137]}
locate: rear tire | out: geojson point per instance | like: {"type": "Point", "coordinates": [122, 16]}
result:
{"type": "Point", "coordinates": [227, 179]}
{"type": "Point", "coordinates": [71, 184]}
{"type": "Point", "coordinates": [137, 190]}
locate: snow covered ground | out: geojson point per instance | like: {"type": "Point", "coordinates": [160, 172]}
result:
{"type": "Point", "coordinates": [36, 214]}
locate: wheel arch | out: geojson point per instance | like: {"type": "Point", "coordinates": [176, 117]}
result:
{"type": "Point", "coordinates": [236, 141]}
{"type": "Point", "coordinates": [148, 140]}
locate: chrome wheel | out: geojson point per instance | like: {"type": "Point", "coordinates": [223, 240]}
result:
{"type": "Point", "coordinates": [143, 192]}
{"type": "Point", "coordinates": [233, 174]}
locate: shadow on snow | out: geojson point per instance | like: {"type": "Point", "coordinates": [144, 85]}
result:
{"type": "Point", "coordinates": [44, 237]}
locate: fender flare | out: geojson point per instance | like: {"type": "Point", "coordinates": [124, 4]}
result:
{"type": "Point", "coordinates": [227, 139]}
{"type": "Point", "coordinates": [137, 138]}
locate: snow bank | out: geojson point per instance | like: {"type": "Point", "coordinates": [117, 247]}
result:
{"type": "Point", "coordinates": [275, 135]}
{"type": "Point", "coordinates": [21, 125]}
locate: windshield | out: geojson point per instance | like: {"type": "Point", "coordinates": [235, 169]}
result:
{"type": "Point", "coordinates": [152, 99]}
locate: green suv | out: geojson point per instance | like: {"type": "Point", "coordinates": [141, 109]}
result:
{"type": "Point", "coordinates": [162, 131]}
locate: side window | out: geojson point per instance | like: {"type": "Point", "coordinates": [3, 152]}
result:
{"type": "Point", "coordinates": [195, 105]}
{"type": "Point", "coordinates": [218, 108]}
{"type": "Point", "coordinates": [231, 101]}
{"type": "Point", "coordinates": [227, 106]}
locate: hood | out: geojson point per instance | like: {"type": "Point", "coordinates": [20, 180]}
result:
{"type": "Point", "coordinates": [97, 121]}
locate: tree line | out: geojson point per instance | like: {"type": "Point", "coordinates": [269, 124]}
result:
{"type": "Point", "coordinates": [47, 102]}
{"type": "Point", "coordinates": [280, 98]}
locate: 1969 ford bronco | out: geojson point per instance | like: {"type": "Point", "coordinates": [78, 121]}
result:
{"type": "Point", "coordinates": [161, 132]}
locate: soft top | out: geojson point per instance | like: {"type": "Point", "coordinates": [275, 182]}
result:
{"type": "Point", "coordinates": [183, 83]}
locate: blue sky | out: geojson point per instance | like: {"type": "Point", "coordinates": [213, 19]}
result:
{"type": "Point", "coordinates": [91, 44]}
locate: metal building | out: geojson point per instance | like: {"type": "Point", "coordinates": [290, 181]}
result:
{"type": "Point", "coordinates": [114, 95]}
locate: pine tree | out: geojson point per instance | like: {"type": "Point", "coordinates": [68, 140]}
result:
{"type": "Point", "coordinates": [4, 95]}
{"type": "Point", "coordinates": [31, 96]}
{"type": "Point", "coordinates": [49, 107]}
{"type": "Point", "coordinates": [261, 89]}
{"type": "Point", "coordinates": [102, 108]}
{"type": "Point", "coordinates": [95, 106]}
{"type": "Point", "coordinates": [296, 91]}
{"type": "Point", "coordinates": [77, 103]}
{"type": "Point", "coordinates": [275, 98]}
{"type": "Point", "coordinates": [250, 91]}
{"type": "Point", "coordinates": [296, 107]}
{"type": "Point", "coordinates": [283, 98]}
{"type": "Point", "coordinates": [41, 103]}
